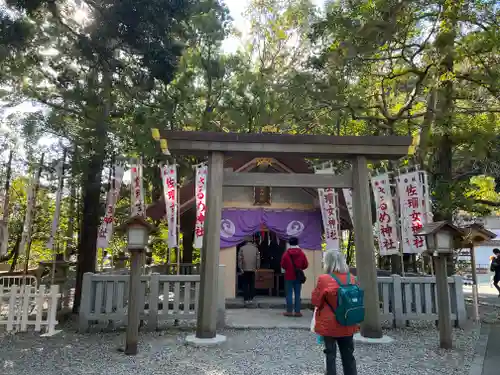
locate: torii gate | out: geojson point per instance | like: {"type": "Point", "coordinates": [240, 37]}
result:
{"type": "Point", "coordinates": [356, 149]}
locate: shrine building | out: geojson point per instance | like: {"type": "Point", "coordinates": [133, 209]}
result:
{"type": "Point", "coordinates": [268, 215]}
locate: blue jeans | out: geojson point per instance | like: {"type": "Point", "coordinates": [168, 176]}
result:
{"type": "Point", "coordinates": [292, 287]}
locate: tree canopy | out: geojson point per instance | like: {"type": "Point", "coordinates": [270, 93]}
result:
{"type": "Point", "coordinates": [98, 75]}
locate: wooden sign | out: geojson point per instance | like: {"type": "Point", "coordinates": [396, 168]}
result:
{"type": "Point", "coordinates": [262, 196]}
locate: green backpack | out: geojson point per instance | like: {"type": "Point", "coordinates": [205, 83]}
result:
{"type": "Point", "coordinates": [350, 309]}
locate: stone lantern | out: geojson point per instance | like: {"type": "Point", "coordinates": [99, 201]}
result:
{"type": "Point", "coordinates": [138, 232]}
{"type": "Point", "coordinates": [441, 238]}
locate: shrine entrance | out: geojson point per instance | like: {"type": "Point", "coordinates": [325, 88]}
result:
{"type": "Point", "coordinates": [270, 228]}
{"type": "Point", "coordinates": [358, 150]}
{"type": "Point", "coordinates": [269, 280]}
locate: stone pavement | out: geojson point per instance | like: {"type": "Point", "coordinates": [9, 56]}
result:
{"type": "Point", "coordinates": [487, 356]}
{"type": "Point", "coordinates": [266, 319]}
{"type": "Point", "coordinates": [491, 364]}
{"type": "Point", "coordinates": [487, 295]}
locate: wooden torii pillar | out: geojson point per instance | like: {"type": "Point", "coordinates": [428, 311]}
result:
{"type": "Point", "coordinates": [209, 264]}
{"type": "Point", "coordinates": [356, 149]}
{"type": "Point", "coordinates": [365, 254]}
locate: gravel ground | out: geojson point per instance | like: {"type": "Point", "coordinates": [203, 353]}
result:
{"type": "Point", "coordinates": [252, 352]}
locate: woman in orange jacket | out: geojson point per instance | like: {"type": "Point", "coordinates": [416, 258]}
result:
{"type": "Point", "coordinates": [324, 298]}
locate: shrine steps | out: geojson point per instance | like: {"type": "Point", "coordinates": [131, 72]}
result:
{"type": "Point", "coordinates": [263, 302]}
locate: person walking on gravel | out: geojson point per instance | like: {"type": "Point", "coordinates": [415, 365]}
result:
{"type": "Point", "coordinates": [492, 274]}
{"type": "Point", "coordinates": [294, 262]}
{"type": "Point", "coordinates": [495, 267]}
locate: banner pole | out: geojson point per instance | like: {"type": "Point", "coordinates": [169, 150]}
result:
{"type": "Point", "coordinates": [400, 220]}
{"type": "Point", "coordinates": [428, 211]}
{"type": "Point", "coordinates": [162, 167]}
{"type": "Point", "coordinates": [177, 219]}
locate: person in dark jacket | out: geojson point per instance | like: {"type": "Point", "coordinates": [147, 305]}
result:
{"type": "Point", "coordinates": [248, 263]}
{"type": "Point", "coordinates": [292, 260]}
{"type": "Point", "coordinates": [495, 267]}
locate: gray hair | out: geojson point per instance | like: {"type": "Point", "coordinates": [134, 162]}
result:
{"type": "Point", "coordinates": [334, 261]}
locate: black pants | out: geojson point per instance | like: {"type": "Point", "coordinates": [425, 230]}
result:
{"type": "Point", "coordinates": [496, 280]}
{"type": "Point", "coordinates": [346, 348]}
{"type": "Point", "coordinates": [248, 281]}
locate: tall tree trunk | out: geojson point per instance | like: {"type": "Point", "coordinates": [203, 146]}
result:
{"type": "Point", "coordinates": [157, 187]}
{"type": "Point", "coordinates": [91, 191]}
{"type": "Point", "coordinates": [30, 221]}
{"type": "Point", "coordinates": [4, 224]}
{"type": "Point", "coordinates": [15, 250]}
{"type": "Point", "coordinates": [207, 113]}
{"type": "Point", "coordinates": [5, 216]}
{"type": "Point", "coordinates": [426, 128]}
{"type": "Point", "coordinates": [445, 46]}
{"type": "Point", "coordinates": [71, 218]}
{"type": "Point", "coordinates": [187, 246]}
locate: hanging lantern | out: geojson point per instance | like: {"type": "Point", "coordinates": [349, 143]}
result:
{"type": "Point", "coordinates": [155, 133]}
{"type": "Point", "coordinates": [164, 146]}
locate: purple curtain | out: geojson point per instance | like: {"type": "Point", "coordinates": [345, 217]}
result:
{"type": "Point", "coordinates": [236, 224]}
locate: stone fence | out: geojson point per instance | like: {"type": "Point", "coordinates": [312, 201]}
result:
{"type": "Point", "coordinates": [170, 298]}
{"type": "Point", "coordinates": [404, 299]}
{"type": "Point", "coordinates": [166, 298]}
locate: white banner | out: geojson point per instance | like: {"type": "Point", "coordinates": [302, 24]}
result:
{"type": "Point", "coordinates": [4, 229]}
{"type": "Point", "coordinates": [57, 210]}
{"type": "Point", "coordinates": [330, 216]}
{"type": "Point", "coordinates": [4, 238]}
{"type": "Point", "coordinates": [106, 228]}
{"type": "Point", "coordinates": [2, 201]}
{"type": "Point", "coordinates": [386, 215]}
{"type": "Point", "coordinates": [348, 201]}
{"type": "Point", "coordinates": [330, 212]}
{"type": "Point", "coordinates": [413, 207]}
{"type": "Point", "coordinates": [169, 178]}
{"type": "Point", "coordinates": [200, 194]}
{"type": "Point", "coordinates": [28, 218]}
{"type": "Point", "coordinates": [136, 191]}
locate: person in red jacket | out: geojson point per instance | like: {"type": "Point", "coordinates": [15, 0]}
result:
{"type": "Point", "coordinates": [324, 298]}
{"type": "Point", "coordinates": [293, 260]}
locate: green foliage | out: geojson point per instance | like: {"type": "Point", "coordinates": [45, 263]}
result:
{"type": "Point", "coordinates": [423, 68]}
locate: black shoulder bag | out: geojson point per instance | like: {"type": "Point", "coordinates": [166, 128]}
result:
{"type": "Point", "coordinates": [299, 274]}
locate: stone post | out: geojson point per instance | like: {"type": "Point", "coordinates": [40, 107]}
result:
{"type": "Point", "coordinates": [132, 334]}
{"type": "Point", "coordinates": [443, 302]}
{"type": "Point", "coordinates": [475, 294]}
{"type": "Point", "coordinates": [221, 301]}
